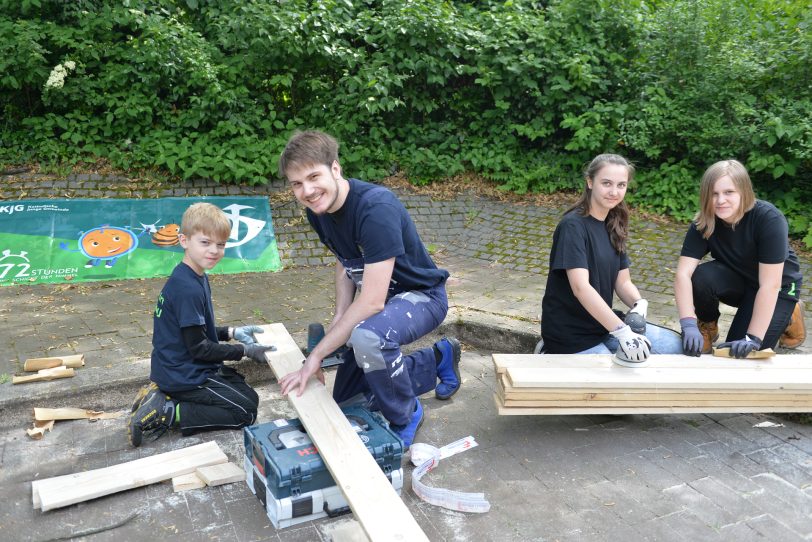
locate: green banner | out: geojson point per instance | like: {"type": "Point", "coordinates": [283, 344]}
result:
{"type": "Point", "coordinates": [50, 241]}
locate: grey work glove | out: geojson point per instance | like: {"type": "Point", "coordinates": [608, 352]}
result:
{"type": "Point", "coordinates": [257, 352]}
{"type": "Point", "coordinates": [742, 347]}
{"type": "Point", "coordinates": [692, 340]}
{"type": "Point", "coordinates": [245, 334]}
{"type": "Point", "coordinates": [633, 346]}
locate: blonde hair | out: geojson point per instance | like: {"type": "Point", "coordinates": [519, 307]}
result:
{"type": "Point", "coordinates": [205, 218]}
{"type": "Point", "coordinates": [310, 148]}
{"type": "Point", "coordinates": [705, 218]}
{"type": "Point", "coordinates": [617, 221]}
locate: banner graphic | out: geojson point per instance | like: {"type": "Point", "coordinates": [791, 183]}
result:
{"type": "Point", "coordinates": [79, 240]}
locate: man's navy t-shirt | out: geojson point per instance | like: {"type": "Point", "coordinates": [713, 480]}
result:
{"type": "Point", "coordinates": [373, 226]}
{"type": "Point", "coordinates": [185, 300]}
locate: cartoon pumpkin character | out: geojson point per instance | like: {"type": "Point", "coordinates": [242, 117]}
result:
{"type": "Point", "coordinates": [105, 244]}
{"type": "Point", "coordinates": [167, 236]}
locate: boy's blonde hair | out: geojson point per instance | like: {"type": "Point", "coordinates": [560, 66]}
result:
{"type": "Point", "coordinates": [205, 218]}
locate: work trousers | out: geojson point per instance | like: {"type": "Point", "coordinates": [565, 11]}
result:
{"type": "Point", "coordinates": [714, 282]}
{"type": "Point", "coordinates": [375, 365]}
{"type": "Point", "coordinates": [224, 401]}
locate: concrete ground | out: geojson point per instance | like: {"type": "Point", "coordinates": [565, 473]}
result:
{"type": "Point", "coordinates": [642, 477]}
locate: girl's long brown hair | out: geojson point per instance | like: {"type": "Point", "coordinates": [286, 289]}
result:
{"type": "Point", "coordinates": [617, 221]}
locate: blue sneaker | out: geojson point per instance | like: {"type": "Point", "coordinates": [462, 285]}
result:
{"type": "Point", "coordinates": [408, 432]}
{"type": "Point", "coordinates": [447, 350]}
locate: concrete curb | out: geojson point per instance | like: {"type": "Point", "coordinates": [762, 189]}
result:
{"type": "Point", "coordinates": [112, 389]}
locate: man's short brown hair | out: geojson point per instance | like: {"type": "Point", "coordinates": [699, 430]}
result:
{"type": "Point", "coordinates": [309, 148]}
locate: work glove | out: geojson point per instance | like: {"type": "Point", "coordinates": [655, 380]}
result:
{"type": "Point", "coordinates": [692, 340]}
{"type": "Point", "coordinates": [742, 347]}
{"type": "Point", "coordinates": [640, 307]}
{"type": "Point", "coordinates": [257, 352]}
{"type": "Point", "coordinates": [245, 334]}
{"type": "Point", "coordinates": [633, 346]}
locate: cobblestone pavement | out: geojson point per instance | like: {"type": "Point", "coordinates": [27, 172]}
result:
{"type": "Point", "coordinates": [669, 477]}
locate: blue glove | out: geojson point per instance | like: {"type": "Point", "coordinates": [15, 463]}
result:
{"type": "Point", "coordinates": [245, 334]}
{"type": "Point", "coordinates": [692, 340]}
{"type": "Point", "coordinates": [742, 347]}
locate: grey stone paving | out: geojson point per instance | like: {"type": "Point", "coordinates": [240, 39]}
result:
{"type": "Point", "coordinates": [668, 477]}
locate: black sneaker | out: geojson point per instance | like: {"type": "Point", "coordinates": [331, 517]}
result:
{"type": "Point", "coordinates": [153, 417]}
{"type": "Point", "coordinates": [142, 394]}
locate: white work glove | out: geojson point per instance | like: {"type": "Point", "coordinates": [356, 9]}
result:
{"type": "Point", "coordinates": [633, 346]}
{"type": "Point", "coordinates": [245, 334]}
{"type": "Point", "coordinates": [640, 307]}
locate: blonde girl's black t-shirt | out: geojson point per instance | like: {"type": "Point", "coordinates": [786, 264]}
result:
{"type": "Point", "coordinates": [579, 242]}
{"type": "Point", "coordinates": [761, 236]}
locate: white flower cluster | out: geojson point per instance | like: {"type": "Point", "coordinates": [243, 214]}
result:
{"type": "Point", "coordinates": [58, 74]}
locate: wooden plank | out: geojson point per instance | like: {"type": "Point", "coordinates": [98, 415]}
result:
{"type": "Point", "coordinates": [376, 505]}
{"type": "Point", "coordinates": [645, 403]}
{"type": "Point", "coordinates": [69, 489]}
{"type": "Point", "coordinates": [663, 378]}
{"type": "Point", "coordinates": [44, 374]}
{"type": "Point", "coordinates": [224, 473]}
{"type": "Point", "coordinates": [786, 361]}
{"type": "Point", "coordinates": [541, 411]}
{"type": "Point", "coordinates": [647, 395]}
{"type": "Point", "coordinates": [35, 364]}
{"type": "Point", "coordinates": [188, 481]}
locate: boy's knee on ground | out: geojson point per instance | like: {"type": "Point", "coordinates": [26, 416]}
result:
{"type": "Point", "coordinates": [367, 347]}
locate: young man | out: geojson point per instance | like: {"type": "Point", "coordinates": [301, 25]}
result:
{"type": "Point", "coordinates": [401, 292]}
{"type": "Point", "coordinates": [190, 387]}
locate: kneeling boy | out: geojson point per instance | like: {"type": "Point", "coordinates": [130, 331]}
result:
{"type": "Point", "coordinates": [190, 386]}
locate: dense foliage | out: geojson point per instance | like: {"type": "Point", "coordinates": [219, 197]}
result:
{"type": "Point", "coordinates": [523, 92]}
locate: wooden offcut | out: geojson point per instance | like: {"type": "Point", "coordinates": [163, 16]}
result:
{"type": "Point", "coordinates": [44, 374]}
{"type": "Point", "coordinates": [71, 413]}
{"type": "Point", "coordinates": [376, 505]}
{"type": "Point", "coordinates": [223, 473]}
{"type": "Point", "coordinates": [755, 354]}
{"type": "Point", "coordinates": [60, 491]}
{"type": "Point", "coordinates": [585, 384]}
{"type": "Point", "coordinates": [188, 481]}
{"type": "Point", "coordinates": [35, 364]}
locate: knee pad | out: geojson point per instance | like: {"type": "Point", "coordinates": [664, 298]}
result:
{"type": "Point", "coordinates": [366, 346]}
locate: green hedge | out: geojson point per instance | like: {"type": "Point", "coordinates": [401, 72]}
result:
{"type": "Point", "coordinates": [521, 92]}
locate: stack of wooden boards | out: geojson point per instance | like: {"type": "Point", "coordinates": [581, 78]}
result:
{"type": "Point", "coordinates": [592, 384]}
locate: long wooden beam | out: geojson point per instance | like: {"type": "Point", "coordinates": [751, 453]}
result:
{"type": "Point", "coordinates": [376, 505]}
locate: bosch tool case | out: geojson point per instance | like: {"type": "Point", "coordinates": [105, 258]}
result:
{"type": "Point", "coordinates": [286, 473]}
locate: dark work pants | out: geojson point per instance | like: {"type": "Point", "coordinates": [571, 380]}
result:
{"type": "Point", "coordinates": [224, 401]}
{"type": "Point", "coordinates": [375, 365]}
{"type": "Point", "coordinates": [714, 282]}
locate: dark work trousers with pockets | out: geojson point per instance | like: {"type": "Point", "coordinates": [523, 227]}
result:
{"type": "Point", "coordinates": [714, 281]}
{"type": "Point", "coordinates": [224, 401]}
{"type": "Point", "coordinates": [375, 365]}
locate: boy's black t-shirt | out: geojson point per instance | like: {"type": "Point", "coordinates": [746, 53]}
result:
{"type": "Point", "coordinates": [579, 242]}
{"type": "Point", "coordinates": [373, 226]}
{"type": "Point", "coordinates": [761, 236]}
{"type": "Point", "coordinates": [185, 300]}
